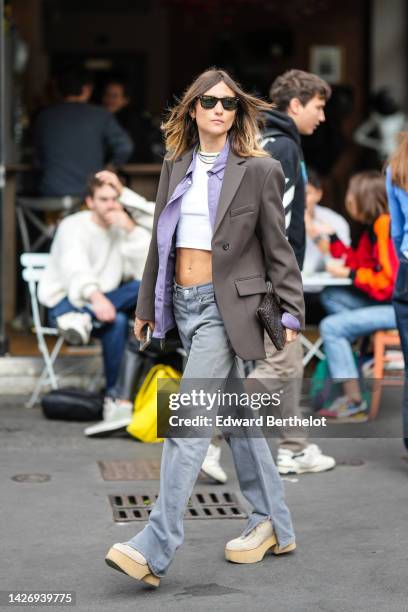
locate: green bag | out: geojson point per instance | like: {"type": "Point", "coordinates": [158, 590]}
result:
{"type": "Point", "coordinates": [324, 390]}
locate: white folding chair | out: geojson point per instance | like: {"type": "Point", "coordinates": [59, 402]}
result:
{"type": "Point", "coordinates": [33, 267]}
{"type": "Point", "coordinates": [312, 349]}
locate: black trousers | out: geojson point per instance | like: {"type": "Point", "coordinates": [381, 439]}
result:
{"type": "Point", "coordinates": [400, 302]}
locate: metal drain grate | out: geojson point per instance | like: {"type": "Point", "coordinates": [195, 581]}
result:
{"type": "Point", "coordinates": [146, 469]}
{"type": "Point", "coordinates": [137, 469]}
{"type": "Point", "coordinates": [208, 505]}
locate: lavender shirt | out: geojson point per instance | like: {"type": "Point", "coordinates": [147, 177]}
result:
{"type": "Point", "coordinates": [166, 233]}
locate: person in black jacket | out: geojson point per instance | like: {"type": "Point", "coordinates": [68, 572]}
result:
{"type": "Point", "coordinates": [299, 98]}
{"type": "Point", "coordinates": [73, 139]}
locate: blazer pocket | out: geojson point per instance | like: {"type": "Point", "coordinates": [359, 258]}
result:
{"type": "Point", "coordinates": [250, 285]}
{"type": "Point", "coordinates": [234, 212]}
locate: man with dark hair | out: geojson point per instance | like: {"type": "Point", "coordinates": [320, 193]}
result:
{"type": "Point", "coordinates": [90, 283]}
{"type": "Point", "coordinates": [299, 98]}
{"type": "Point", "coordinates": [147, 140]}
{"type": "Point", "coordinates": [74, 81]}
{"type": "Point", "coordinates": [74, 139]}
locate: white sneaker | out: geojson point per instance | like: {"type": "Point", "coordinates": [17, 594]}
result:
{"type": "Point", "coordinates": [311, 459]}
{"type": "Point", "coordinates": [117, 414]}
{"type": "Point", "coordinates": [126, 559]}
{"type": "Point", "coordinates": [252, 547]}
{"type": "Point", "coordinates": [211, 464]}
{"type": "Point", "coordinates": [75, 327]}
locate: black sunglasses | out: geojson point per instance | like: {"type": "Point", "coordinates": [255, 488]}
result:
{"type": "Point", "coordinates": [228, 103]}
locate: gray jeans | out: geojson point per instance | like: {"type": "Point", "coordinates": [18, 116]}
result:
{"type": "Point", "coordinates": [210, 356]}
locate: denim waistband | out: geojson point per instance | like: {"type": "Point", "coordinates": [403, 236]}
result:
{"type": "Point", "coordinates": [194, 290]}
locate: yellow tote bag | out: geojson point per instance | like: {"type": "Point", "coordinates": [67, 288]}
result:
{"type": "Point", "coordinates": [144, 420]}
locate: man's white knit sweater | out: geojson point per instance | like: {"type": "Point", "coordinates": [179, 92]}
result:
{"type": "Point", "coordinates": [86, 257]}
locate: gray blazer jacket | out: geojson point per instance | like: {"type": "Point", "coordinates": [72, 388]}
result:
{"type": "Point", "coordinates": [249, 246]}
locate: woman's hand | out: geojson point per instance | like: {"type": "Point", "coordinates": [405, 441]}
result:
{"type": "Point", "coordinates": [337, 270]}
{"type": "Point", "coordinates": [291, 335]}
{"type": "Point", "coordinates": [139, 324]}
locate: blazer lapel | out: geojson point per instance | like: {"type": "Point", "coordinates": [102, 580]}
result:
{"type": "Point", "coordinates": [234, 172]}
{"type": "Point", "coordinates": [179, 170]}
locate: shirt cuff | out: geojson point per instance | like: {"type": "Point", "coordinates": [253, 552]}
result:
{"type": "Point", "coordinates": [290, 322]}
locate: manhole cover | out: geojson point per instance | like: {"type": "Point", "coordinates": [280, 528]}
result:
{"type": "Point", "coordinates": [351, 462]}
{"type": "Point", "coordinates": [144, 469]}
{"type": "Point", "coordinates": [31, 477]}
{"type": "Point", "coordinates": [208, 505]}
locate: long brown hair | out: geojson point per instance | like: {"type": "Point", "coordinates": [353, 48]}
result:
{"type": "Point", "coordinates": [181, 133]}
{"type": "Point", "coordinates": [399, 163]}
{"type": "Point", "coordinates": [368, 191]}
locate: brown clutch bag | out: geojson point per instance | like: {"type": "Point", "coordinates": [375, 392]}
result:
{"type": "Point", "coordinates": [270, 315]}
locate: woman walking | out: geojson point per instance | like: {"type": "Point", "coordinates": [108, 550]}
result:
{"type": "Point", "coordinates": [397, 191]}
{"type": "Point", "coordinates": [218, 235]}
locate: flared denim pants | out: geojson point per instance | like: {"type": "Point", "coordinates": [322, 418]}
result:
{"type": "Point", "coordinates": [210, 358]}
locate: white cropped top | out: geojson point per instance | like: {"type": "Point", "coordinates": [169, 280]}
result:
{"type": "Point", "coordinates": [194, 229]}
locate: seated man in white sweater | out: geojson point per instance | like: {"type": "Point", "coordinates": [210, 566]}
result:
{"type": "Point", "coordinates": [90, 284]}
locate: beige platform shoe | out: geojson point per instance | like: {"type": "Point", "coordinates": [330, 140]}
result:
{"type": "Point", "coordinates": [253, 547]}
{"type": "Point", "coordinates": [126, 559]}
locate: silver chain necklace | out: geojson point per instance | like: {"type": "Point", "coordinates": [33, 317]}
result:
{"type": "Point", "coordinates": [207, 158]}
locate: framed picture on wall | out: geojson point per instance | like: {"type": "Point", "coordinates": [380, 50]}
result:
{"type": "Point", "coordinates": [327, 62]}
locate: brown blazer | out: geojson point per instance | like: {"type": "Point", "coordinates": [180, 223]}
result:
{"type": "Point", "coordinates": [248, 246]}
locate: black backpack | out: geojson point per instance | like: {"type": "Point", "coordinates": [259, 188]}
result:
{"type": "Point", "coordinates": [70, 404]}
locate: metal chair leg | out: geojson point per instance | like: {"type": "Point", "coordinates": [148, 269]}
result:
{"type": "Point", "coordinates": [48, 375]}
